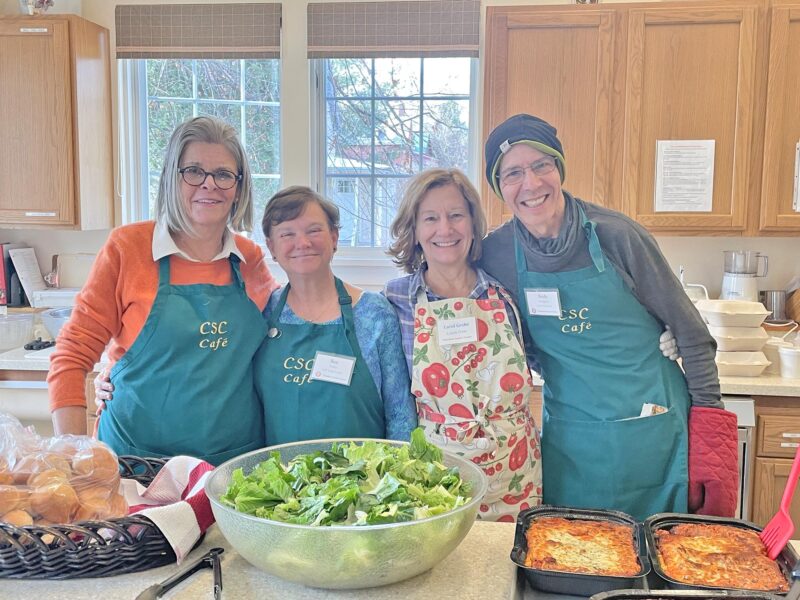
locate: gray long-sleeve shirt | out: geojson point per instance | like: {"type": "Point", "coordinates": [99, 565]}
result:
{"type": "Point", "coordinates": [635, 255]}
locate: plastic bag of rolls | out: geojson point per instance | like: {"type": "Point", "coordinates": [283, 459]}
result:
{"type": "Point", "coordinates": [58, 480]}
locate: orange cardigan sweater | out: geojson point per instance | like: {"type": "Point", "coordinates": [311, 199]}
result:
{"type": "Point", "coordinates": [116, 300]}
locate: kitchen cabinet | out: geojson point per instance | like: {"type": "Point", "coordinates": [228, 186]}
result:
{"type": "Point", "coordinates": [55, 115]}
{"type": "Point", "coordinates": [617, 78]}
{"type": "Point", "coordinates": [782, 127]}
{"type": "Point", "coordinates": [558, 64]}
{"type": "Point", "coordinates": [777, 439]}
{"type": "Point", "coordinates": [691, 75]}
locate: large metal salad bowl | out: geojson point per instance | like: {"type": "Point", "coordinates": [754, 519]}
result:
{"type": "Point", "coordinates": [341, 556]}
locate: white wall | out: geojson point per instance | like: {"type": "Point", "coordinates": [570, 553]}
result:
{"type": "Point", "coordinates": [702, 256]}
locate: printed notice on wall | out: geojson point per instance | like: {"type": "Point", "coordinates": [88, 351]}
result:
{"type": "Point", "coordinates": [684, 175]}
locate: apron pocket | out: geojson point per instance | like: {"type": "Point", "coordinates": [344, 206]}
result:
{"type": "Point", "coordinates": [607, 460]}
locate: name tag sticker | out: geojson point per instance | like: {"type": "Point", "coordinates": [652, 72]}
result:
{"type": "Point", "coordinates": [543, 302]}
{"type": "Point", "coordinates": [457, 331]}
{"type": "Point", "coordinates": [333, 368]}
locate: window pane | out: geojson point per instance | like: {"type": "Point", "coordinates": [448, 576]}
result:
{"type": "Point", "coordinates": [263, 189]}
{"type": "Point", "coordinates": [348, 77]}
{"type": "Point", "coordinates": [262, 80]}
{"type": "Point", "coordinates": [397, 76]}
{"type": "Point", "coordinates": [397, 130]}
{"type": "Point", "coordinates": [169, 77]}
{"type": "Point", "coordinates": [349, 137]}
{"type": "Point", "coordinates": [218, 79]}
{"type": "Point", "coordinates": [446, 77]}
{"type": "Point", "coordinates": [153, 181]}
{"type": "Point", "coordinates": [445, 134]}
{"type": "Point", "coordinates": [162, 119]}
{"type": "Point", "coordinates": [262, 126]}
{"type": "Point", "coordinates": [379, 132]}
{"type": "Point", "coordinates": [230, 113]}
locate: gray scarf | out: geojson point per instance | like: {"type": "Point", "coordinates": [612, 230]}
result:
{"type": "Point", "coordinates": [567, 235]}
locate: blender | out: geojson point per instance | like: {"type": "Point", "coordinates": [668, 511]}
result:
{"type": "Point", "coordinates": [740, 281]}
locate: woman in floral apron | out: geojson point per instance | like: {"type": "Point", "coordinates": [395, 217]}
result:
{"type": "Point", "coordinates": [462, 341]}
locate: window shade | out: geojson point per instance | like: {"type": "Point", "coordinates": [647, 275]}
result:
{"type": "Point", "coordinates": [198, 30]}
{"type": "Point", "coordinates": [379, 29]}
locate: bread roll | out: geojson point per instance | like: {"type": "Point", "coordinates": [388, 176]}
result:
{"type": "Point", "coordinates": [97, 462]}
{"type": "Point", "coordinates": [56, 502]}
{"type": "Point", "coordinates": [18, 517]}
{"type": "Point", "coordinates": [119, 506]}
{"type": "Point", "coordinates": [12, 497]}
{"type": "Point", "coordinates": [36, 463]}
{"type": "Point", "coordinates": [95, 503]}
{"type": "Point", "coordinates": [45, 477]}
{"type": "Point", "coordinates": [6, 478]}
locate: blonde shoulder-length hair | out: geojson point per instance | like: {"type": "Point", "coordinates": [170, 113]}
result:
{"type": "Point", "coordinates": [169, 208]}
{"type": "Point", "coordinates": [406, 251]}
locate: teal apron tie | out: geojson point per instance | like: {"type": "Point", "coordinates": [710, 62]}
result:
{"type": "Point", "coordinates": [600, 363]}
{"type": "Point", "coordinates": [185, 386]}
{"type": "Point", "coordinates": [297, 408]}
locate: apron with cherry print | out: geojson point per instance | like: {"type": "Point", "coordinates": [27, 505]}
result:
{"type": "Point", "coordinates": [472, 391]}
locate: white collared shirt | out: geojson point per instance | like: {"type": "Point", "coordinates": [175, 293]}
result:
{"type": "Point", "coordinates": [164, 245]}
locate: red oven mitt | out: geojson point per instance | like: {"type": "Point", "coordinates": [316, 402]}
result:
{"type": "Point", "coordinates": [713, 464]}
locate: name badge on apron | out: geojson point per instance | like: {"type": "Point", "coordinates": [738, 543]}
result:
{"type": "Point", "coordinates": [333, 368]}
{"type": "Point", "coordinates": [543, 302]}
{"type": "Point", "coordinates": [456, 331]}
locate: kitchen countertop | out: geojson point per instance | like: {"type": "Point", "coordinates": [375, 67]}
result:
{"type": "Point", "coordinates": [14, 360]}
{"type": "Point", "coordinates": [479, 568]}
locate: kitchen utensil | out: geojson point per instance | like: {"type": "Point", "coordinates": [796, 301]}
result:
{"type": "Point", "coordinates": [780, 528]}
{"type": "Point", "coordinates": [695, 291]}
{"type": "Point", "coordinates": [775, 301]}
{"type": "Point", "coordinates": [54, 319]}
{"type": "Point", "coordinates": [344, 556]}
{"type": "Point", "coordinates": [740, 280]}
{"type": "Point", "coordinates": [15, 331]}
{"type": "Point", "coordinates": [210, 560]}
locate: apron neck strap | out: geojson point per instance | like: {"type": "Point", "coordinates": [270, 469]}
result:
{"type": "Point", "coordinates": [164, 270]}
{"type": "Point", "coordinates": [345, 305]}
{"type": "Point", "coordinates": [595, 251]}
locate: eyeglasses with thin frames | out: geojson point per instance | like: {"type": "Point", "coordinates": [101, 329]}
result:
{"type": "Point", "coordinates": [196, 176]}
{"type": "Point", "coordinates": [541, 167]}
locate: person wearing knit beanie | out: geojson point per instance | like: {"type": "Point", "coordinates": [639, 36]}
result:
{"type": "Point", "coordinates": [624, 427]}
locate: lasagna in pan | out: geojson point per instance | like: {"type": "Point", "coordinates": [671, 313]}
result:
{"type": "Point", "coordinates": [718, 556]}
{"type": "Point", "coordinates": [582, 546]}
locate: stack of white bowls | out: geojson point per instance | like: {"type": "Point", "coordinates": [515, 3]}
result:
{"type": "Point", "coordinates": [772, 350]}
{"type": "Point", "coordinates": [736, 326]}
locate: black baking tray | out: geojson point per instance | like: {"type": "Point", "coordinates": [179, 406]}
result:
{"type": "Point", "coordinates": [787, 560]}
{"type": "Point", "coordinates": [683, 595]}
{"type": "Point", "coordinates": [578, 584]}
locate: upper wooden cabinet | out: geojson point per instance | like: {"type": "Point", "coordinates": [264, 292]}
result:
{"type": "Point", "coordinates": [55, 115]}
{"type": "Point", "coordinates": [617, 78]}
{"type": "Point", "coordinates": [557, 64]}
{"type": "Point", "coordinates": [691, 75]}
{"type": "Point", "coordinates": [782, 128]}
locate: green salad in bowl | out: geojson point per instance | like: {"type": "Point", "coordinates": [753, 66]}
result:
{"type": "Point", "coordinates": [345, 514]}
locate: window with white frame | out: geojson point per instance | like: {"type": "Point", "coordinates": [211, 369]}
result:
{"type": "Point", "coordinates": [382, 121]}
{"type": "Point", "coordinates": [243, 92]}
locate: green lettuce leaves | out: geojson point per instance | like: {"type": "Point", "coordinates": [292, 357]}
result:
{"type": "Point", "coordinates": [351, 484]}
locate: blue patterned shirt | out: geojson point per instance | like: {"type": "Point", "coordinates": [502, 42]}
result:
{"type": "Point", "coordinates": [402, 294]}
{"type": "Point", "coordinates": [378, 335]}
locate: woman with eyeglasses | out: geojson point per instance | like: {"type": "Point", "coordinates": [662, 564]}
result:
{"type": "Point", "coordinates": [180, 300]}
{"type": "Point", "coordinates": [462, 341]}
{"type": "Point", "coordinates": [624, 427]}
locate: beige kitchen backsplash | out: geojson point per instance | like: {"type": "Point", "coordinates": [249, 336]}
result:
{"type": "Point", "coordinates": [700, 256]}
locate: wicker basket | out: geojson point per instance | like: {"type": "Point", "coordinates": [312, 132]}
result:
{"type": "Point", "coordinates": [90, 548]}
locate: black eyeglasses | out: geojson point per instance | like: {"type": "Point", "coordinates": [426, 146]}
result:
{"type": "Point", "coordinates": [541, 167]}
{"type": "Point", "coordinates": [196, 176]}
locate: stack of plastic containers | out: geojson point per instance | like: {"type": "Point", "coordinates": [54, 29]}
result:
{"type": "Point", "coordinates": [736, 326]}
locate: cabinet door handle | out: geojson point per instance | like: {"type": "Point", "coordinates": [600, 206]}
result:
{"type": "Point", "coordinates": [33, 29]}
{"type": "Point", "coordinates": [789, 444]}
{"type": "Point", "coordinates": [790, 435]}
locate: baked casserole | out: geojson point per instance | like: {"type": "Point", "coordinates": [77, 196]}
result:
{"type": "Point", "coordinates": [718, 556]}
{"type": "Point", "coordinates": [582, 546]}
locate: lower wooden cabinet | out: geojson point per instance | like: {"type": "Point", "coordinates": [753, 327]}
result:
{"type": "Point", "coordinates": [777, 438]}
{"type": "Point", "coordinates": [769, 480]}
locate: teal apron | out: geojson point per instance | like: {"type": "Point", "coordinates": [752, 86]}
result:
{"type": "Point", "coordinates": [298, 409]}
{"type": "Point", "coordinates": [600, 363]}
{"type": "Point", "coordinates": [185, 386]}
